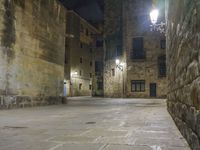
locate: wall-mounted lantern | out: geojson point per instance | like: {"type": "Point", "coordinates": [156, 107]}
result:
{"type": "Point", "coordinates": [119, 64]}
{"type": "Point", "coordinates": [154, 14]}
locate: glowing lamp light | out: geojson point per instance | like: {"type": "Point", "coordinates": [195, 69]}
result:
{"type": "Point", "coordinates": [117, 61]}
{"type": "Point", "coordinates": [74, 73]}
{"type": "Point", "coordinates": [154, 16]}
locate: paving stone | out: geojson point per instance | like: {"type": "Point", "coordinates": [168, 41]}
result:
{"type": "Point", "coordinates": [84, 146]}
{"type": "Point", "coordinates": [127, 147]}
{"type": "Point", "coordinates": [105, 133]}
{"type": "Point", "coordinates": [119, 124]}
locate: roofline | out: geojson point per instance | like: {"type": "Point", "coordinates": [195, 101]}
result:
{"type": "Point", "coordinates": [96, 30]}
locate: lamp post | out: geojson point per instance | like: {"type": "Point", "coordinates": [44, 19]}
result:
{"type": "Point", "coordinates": [154, 14]}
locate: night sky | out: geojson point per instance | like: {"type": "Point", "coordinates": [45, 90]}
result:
{"type": "Point", "coordinates": [91, 10]}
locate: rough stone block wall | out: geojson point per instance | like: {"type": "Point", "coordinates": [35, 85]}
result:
{"type": "Point", "coordinates": [137, 24]}
{"type": "Point", "coordinates": [32, 45]}
{"type": "Point", "coordinates": [183, 58]}
{"type": "Point", "coordinates": [130, 18]}
{"type": "Point", "coordinates": [81, 46]}
{"type": "Point", "coordinates": [113, 85]}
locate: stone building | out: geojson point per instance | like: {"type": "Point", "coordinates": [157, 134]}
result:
{"type": "Point", "coordinates": [32, 36]}
{"type": "Point", "coordinates": [140, 53]}
{"type": "Point", "coordinates": [97, 89]}
{"type": "Point", "coordinates": [80, 57]}
{"type": "Point", "coordinates": [183, 51]}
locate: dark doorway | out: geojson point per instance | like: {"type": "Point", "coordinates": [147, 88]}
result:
{"type": "Point", "coordinates": [153, 87]}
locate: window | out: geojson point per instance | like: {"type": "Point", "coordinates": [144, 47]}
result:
{"type": "Point", "coordinates": [100, 85]}
{"type": "Point", "coordinates": [99, 43]}
{"type": "Point", "coordinates": [81, 60]}
{"type": "Point", "coordinates": [66, 58]}
{"type": "Point", "coordinates": [80, 73]}
{"type": "Point", "coordinates": [138, 85]}
{"type": "Point", "coordinates": [87, 32]}
{"type": "Point", "coordinates": [98, 66]}
{"type": "Point", "coordinates": [162, 70]}
{"type": "Point", "coordinates": [90, 75]}
{"type": "Point", "coordinates": [81, 45]}
{"type": "Point", "coordinates": [91, 63]}
{"type": "Point", "coordinates": [119, 50]}
{"type": "Point", "coordinates": [163, 44]}
{"type": "Point", "coordinates": [90, 87]}
{"type": "Point", "coordinates": [90, 50]}
{"type": "Point", "coordinates": [113, 72]}
{"type": "Point", "coordinates": [138, 48]}
{"type": "Point", "coordinates": [80, 86]}
{"type": "Point", "coordinates": [81, 28]}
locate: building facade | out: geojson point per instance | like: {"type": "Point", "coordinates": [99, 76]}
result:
{"type": "Point", "coordinates": [98, 77]}
{"type": "Point", "coordinates": [31, 52]}
{"type": "Point", "coordinates": [80, 57]}
{"type": "Point", "coordinates": [140, 69]}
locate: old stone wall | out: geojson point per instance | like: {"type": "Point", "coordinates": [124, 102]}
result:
{"type": "Point", "coordinates": [137, 24]}
{"type": "Point", "coordinates": [183, 47]}
{"type": "Point", "coordinates": [113, 49]}
{"type": "Point", "coordinates": [32, 36]}
{"type": "Point", "coordinates": [98, 57]}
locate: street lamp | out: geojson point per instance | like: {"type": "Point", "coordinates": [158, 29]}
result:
{"type": "Point", "coordinates": [154, 16]}
{"type": "Point", "coordinates": [117, 61]}
{"type": "Point", "coordinates": [119, 65]}
{"type": "Point", "coordinates": [160, 27]}
{"type": "Point", "coordinates": [74, 73]}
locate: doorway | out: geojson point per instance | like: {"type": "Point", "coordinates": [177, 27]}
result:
{"type": "Point", "coordinates": [153, 90]}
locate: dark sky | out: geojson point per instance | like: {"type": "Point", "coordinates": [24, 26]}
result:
{"type": "Point", "coordinates": [91, 10]}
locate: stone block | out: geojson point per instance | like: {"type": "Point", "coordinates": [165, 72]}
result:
{"type": "Point", "coordinates": [194, 141]}
{"type": "Point", "coordinates": [191, 118]}
{"type": "Point", "coordinates": [192, 71]}
{"type": "Point", "coordinates": [27, 101]}
{"type": "Point", "coordinates": [198, 123]}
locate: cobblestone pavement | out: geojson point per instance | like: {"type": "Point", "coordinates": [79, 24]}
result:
{"type": "Point", "coordinates": [91, 124]}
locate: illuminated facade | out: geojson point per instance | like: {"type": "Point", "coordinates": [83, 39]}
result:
{"type": "Point", "coordinates": [139, 51]}
{"type": "Point", "coordinates": [81, 47]}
